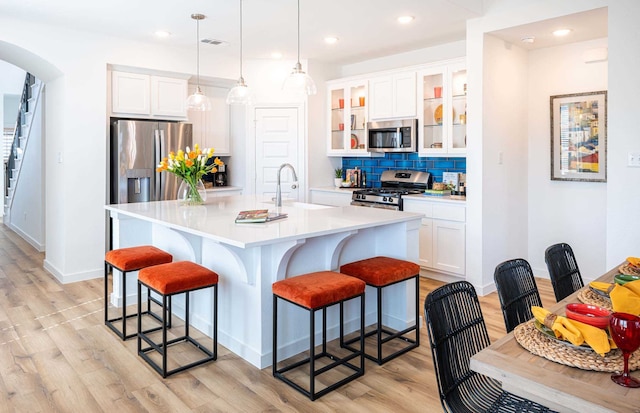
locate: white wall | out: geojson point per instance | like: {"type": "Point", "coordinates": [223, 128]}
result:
{"type": "Point", "coordinates": [563, 211]}
{"type": "Point", "coordinates": [504, 185]}
{"type": "Point", "coordinates": [623, 198]}
{"type": "Point", "coordinates": [415, 57]}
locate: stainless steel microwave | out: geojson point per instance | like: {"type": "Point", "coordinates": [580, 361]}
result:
{"type": "Point", "coordinates": [393, 136]}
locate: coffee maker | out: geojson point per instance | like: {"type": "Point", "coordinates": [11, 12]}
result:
{"type": "Point", "coordinates": [220, 177]}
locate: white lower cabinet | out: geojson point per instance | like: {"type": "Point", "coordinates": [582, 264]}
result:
{"type": "Point", "coordinates": [330, 196]}
{"type": "Point", "coordinates": [442, 235]}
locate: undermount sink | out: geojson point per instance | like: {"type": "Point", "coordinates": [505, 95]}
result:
{"type": "Point", "coordinates": [296, 204]}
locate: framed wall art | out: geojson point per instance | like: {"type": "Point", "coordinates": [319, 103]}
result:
{"type": "Point", "coordinates": [579, 137]}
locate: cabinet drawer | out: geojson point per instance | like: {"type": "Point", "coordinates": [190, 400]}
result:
{"type": "Point", "coordinates": [419, 207]}
{"type": "Point", "coordinates": [449, 212]}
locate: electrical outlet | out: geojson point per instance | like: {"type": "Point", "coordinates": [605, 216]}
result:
{"type": "Point", "coordinates": [634, 159]}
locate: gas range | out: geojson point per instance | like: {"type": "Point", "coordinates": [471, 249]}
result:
{"type": "Point", "coordinates": [394, 184]}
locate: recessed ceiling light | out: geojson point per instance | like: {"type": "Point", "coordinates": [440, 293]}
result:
{"type": "Point", "coordinates": [162, 33]}
{"type": "Point", "coordinates": [331, 39]}
{"type": "Point", "coordinates": [276, 55]}
{"type": "Point", "coordinates": [561, 32]}
{"type": "Point", "coordinates": [528, 39]}
{"type": "Point", "coordinates": [405, 19]}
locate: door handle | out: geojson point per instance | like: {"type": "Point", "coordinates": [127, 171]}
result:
{"type": "Point", "coordinates": [157, 152]}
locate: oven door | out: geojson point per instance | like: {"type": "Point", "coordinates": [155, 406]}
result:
{"type": "Point", "coordinates": [375, 205]}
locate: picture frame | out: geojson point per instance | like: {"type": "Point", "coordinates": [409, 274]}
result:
{"type": "Point", "coordinates": [579, 137]}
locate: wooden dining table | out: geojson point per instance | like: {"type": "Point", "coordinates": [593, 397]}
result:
{"type": "Point", "coordinates": [560, 387]}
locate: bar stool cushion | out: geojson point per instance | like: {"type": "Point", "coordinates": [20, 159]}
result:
{"type": "Point", "coordinates": [318, 289]}
{"type": "Point", "coordinates": [381, 271]}
{"type": "Point", "coordinates": [134, 258]}
{"type": "Point", "coordinates": [176, 277]}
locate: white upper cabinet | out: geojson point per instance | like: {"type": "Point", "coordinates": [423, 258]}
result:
{"type": "Point", "coordinates": [149, 96]}
{"type": "Point", "coordinates": [130, 93]}
{"type": "Point", "coordinates": [347, 118]}
{"type": "Point", "coordinates": [393, 96]}
{"type": "Point", "coordinates": [442, 105]}
{"type": "Point", "coordinates": [168, 96]}
{"type": "Point", "coordinates": [211, 128]}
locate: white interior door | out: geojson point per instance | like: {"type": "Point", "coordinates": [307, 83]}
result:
{"type": "Point", "coordinates": [278, 141]}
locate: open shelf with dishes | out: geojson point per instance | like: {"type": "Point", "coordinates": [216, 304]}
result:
{"type": "Point", "coordinates": [443, 106]}
{"type": "Point", "coordinates": [347, 118]}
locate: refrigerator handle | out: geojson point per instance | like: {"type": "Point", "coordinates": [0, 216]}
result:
{"type": "Point", "coordinates": [157, 155]}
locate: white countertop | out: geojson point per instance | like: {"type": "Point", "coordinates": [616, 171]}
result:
{"type": "Point", "coordinates": [334, 189]}
{"type": "Point", "coordinates": [458, 200]}
{"type": "Point", "coordinates": [215, 219]}
{"type": "Point", "coordinates": [223, 188]}
{"type": "Point", "coordinates": [420, 197]}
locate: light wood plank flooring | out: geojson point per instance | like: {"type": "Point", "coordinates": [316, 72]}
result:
{"type": "Point", "coordinates": [56, 355]}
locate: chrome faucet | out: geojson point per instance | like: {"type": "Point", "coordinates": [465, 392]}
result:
{"type": "Point", "coordinates": [294, 185]}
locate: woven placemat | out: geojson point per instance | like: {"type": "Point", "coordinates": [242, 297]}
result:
{"type": "Point", "coordinates": [538, 343]}
{"type": "Point", "coordinates": [587, 296]}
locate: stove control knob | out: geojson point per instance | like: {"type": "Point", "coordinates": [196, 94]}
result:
{"type": "Point", "coordinates": [384, 199]}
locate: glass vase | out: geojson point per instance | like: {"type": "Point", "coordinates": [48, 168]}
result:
{"type": "Point", "coordinates": [191, 192]}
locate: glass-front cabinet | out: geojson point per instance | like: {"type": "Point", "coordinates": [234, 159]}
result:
{"type": "Point", "coordinates": [443, 105]}
{"type": "Point", "coordinates": [347, 118]}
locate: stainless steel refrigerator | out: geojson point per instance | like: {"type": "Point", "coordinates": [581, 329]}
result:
{"type": "Point", "coordinates": [137, 146]}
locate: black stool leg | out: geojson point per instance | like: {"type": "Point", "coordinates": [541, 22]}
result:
{"type": "Point", "coordinates": [379, 326]}
{"type": "Point", "coordinates": [417, 310]}
{"type": "Point", "coordinates": [123, 280]}
{"type": "Point", "coordinates": [106, 292]}
{"type": "Point", "coordinates": [215, 322]}
{"type": "Point", "coordinates": [274, 364]}
{"type": "Point", "coordinates": [312, 354]}
{"type": "Point", "coordinates": [139, 337]}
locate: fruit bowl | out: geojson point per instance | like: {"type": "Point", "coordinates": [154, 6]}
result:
{"type": "Point", "coordinates": [588, 314]}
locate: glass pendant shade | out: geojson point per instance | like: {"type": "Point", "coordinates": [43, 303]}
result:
{"type": "Point", "coordinates": [240, 94]}
{"type": "Point", "coordinates": [299, 82]}
{"type": "Point", "coordinates": [198, 101]}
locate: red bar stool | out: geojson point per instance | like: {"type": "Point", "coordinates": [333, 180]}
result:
{"type": "Point", "coordinates": [127, 260]}
{"type": "Point", "coordinates": [381, 272]}
{"type": "Point", "coordinates": [313, 292]}
{"type": "Point", "coordinates": [167, 280]}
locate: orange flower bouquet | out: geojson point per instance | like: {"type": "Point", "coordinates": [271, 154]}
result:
{"type": "Point", "coordinates": [191, 166]}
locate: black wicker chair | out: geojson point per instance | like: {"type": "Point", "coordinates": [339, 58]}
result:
{"type": "Point", "coordinates": [563, 270]}
{"type": "Point", "coordinates": [457, 331]}
{"type": "Point", "coordinates": [517, 290]}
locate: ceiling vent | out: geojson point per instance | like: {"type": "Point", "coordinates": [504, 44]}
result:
{"type": "Point", "coordinates": [215, 42]}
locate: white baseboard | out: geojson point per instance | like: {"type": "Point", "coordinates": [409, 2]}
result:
{"type": "Point", "coordinates": [71, 278]}
{"type": "Point", "coordinates": [39, 246]}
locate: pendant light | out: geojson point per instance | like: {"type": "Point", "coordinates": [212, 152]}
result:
{"type": "Point", "coordinates": [240, 94]}
{"type": "Point", "coordinates": [298, 81]}
{"type": "Point", "coordinates": [198, 101]}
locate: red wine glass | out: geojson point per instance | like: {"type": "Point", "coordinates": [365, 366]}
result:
{"type": "Point", "coordinates": [625, 332]}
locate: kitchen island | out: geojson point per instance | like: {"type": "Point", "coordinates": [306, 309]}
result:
{"type": "Point", "coordinates": [250, 257]}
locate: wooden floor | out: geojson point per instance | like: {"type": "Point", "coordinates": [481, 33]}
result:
{"type": "Point", "coordinates": [56, 355]}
